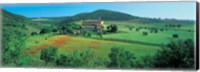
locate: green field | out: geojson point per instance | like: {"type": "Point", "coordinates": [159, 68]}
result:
{"type": "Point", "coordinates": [67, 44]}
{"type": "Point", "coordinates": [141, 46]}
{"type": "Point", "coordinates": [162, 37]}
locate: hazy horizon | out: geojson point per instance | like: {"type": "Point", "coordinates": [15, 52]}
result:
{"type": "Point", "coordinates": [169, 10]}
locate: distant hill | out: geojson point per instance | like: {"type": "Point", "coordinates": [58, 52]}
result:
{"type": "Point", "coordinates": [14, 24]}
{"type": "Point", "coordinates": [10, 19]}
{"type": "Point", "coordinates": [118, 16]}
{"type": "Point", "coordinates": [105, 15]}
{"type": "Point", "coordinates": [48, 20]}
{"type": "Point", "coordinates": [101, 14]}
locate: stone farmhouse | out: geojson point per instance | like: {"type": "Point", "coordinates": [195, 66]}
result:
{"type": "Point", "coordinates": [93, 25]}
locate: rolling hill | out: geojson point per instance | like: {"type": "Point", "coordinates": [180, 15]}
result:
{"type": "Point", "coordinates": [48, 20]}
{"type": "Point", "coordinates": [14, 33]}
{"type": "Point", "coordinates": [119, 16]}
{"type": "Point", "coordinates": [10, 19]}
{"type": "Point", "coordinates": [101, 14]}
{"type": "Point", "coordinates": [107, 15]}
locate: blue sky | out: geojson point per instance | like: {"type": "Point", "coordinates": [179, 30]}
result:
{"type": "Point", "coordinates": [177, 10]}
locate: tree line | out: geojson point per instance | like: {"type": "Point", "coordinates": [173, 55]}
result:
{"type": "Point", "coordinates": [176, 54]}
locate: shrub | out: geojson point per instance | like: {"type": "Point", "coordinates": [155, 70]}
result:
{"type": "Point", "coordinates": [62, 60]}
{"type": "Point", "coordinates": [130, 28]}
{"type": "Point", "coordinates": [151, 31]}
{"type": "Point", "coordinates": [104, 32]}
{"type": "Point", "coordinates": [86, 58]}
{"type": "Point", "coordinates": [155, 30]}
{"type": "Point", "coordinates": [189, 30]}
{"type": "Point", "coordinates": [140, 27]}
{"type": "Point", "coordinates": [69, 30]}
{"type": "Point", "coordinates": [121, 58]}
{"type": "Point", "coordinates": [34, 33]}
{"type": "Point", "coordinates": [145, 33]}
{"type": "Point", "coordinates": [24, 60]}
{"type": "Point", "coordinates": [89, 34]}
{"type": "Point", "coordinates": [43, 31]}
{"type": "Point", "coordinates": [166, 25]}
{"type": "Point", "coordinates": [145, 62]}
{"type": "Point", "coordinates": [48, 54]}
{"type": "Point", "coordinates": [177, 54]}
{"type": "Point", "coordinates": [137, 29]}
{"type": "Point", "coordinates": [175, 35]}
{"type": "Point", "coordinates": [179, 26]}
{"type": "Point", "coordinates": [161, 29]}
{"type": "Point", "coordinates": [54, 30]}
{"type": "Point", "coordinates": [112, 28]}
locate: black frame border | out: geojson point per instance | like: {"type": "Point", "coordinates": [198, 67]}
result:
{"type": "Point", "coordinates": [197, 35]}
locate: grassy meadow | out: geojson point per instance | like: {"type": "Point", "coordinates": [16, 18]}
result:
{"type": "Point", "coordinates": [139, 44]}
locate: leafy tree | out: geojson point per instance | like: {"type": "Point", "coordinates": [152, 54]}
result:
{"type": "Point", "coordinates": [177, 54]}
{"type": "Point", "coordinates": [34, 33]}
{"type": "Point", "coordinates": [89, 34]}
{"type": "Point", "coordinates": [175, 35]}
{"type": "Point", "coordinates": [145, 62]}
{"type": "Point", "coordinates": [69, 30]}
{"type": "Point", "coordinates": [130, 28]}
{"type": "Point", "coordinates": [166, 25]}
{"type": "Point", "coordinates": [161, 29]}
{"type": "Point", "coordinates": [24, 60]}
{"type": "Point", "coordinates": [121, 58]}
{"type": "Point", "coordinates": [48, 54]}
{"type": "Point", "coordinates": [179, 26]}
{"type": "Point", "coordinates": [145, 27]}
{"type": "Point", "coordinates": [137, 29]}
{"type": "Point", "coordinates": [89, 59]}
{"type": "Point", "coordinates": [112, 28]}
{"type": "Point", "coordinates": [109, 28]}
{"type": "Point", "coordinates": [145, 33]}
{"type": "Point", "coordinates": [189, 30]}
{"type": "Point", "coordinates": [54, 30]}
{"type": "Point", "coordinates": [86, 59]}
{"type": "Point", "coordinates": [43, 31]}
{"type": "Point", "coordinates": [62, 60]}
{"type": "Point", "coordinates": [62, 30]}
{"type": "Point", "coordinates": [104, 31]}
{"type": "Point", "coordinates": [69, 27]}
{"type": "Point", "coordinates": [155, 30]}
